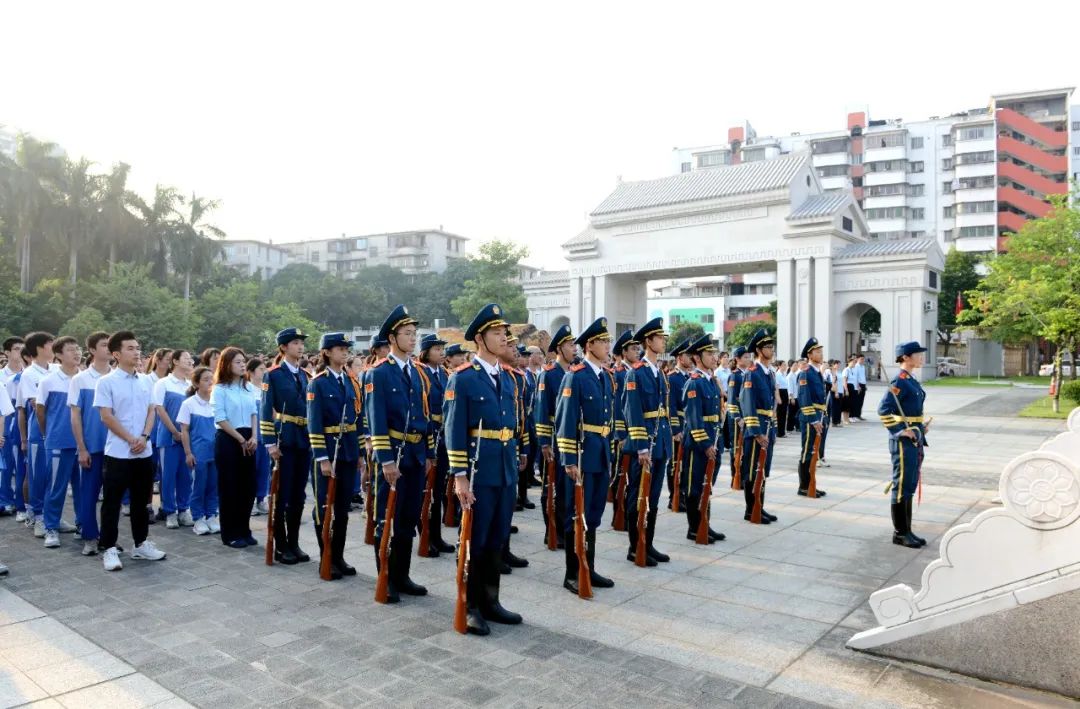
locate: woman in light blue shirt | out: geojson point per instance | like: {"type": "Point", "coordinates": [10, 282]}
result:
{"type": "Point", "coordinates": [235, 415]}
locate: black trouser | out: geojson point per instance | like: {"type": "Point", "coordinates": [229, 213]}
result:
{"type": "Point", "coordinates": [836, 409]}
{"type": "Point", "coordinates": [782, 414]}
{"type": "Point", "coordinates": [525, 476]}
{"type": "Point", "coordinates": [236, 485]}
{"type": "Point", "coordinates": [852, 401]}
{"type": "Point", "coordinates": [345, 472]}
{"type": "Point", "coordinates": [120, 475]}
{"type": "Point", "coordinates": [859, 399]}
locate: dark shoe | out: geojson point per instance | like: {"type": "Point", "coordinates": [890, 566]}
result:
{"type": "Point", "coordinates": [409, 588]}
{"type": "Point", "coordinates": [907, 515]}
{"type": "Point", "coordinates": [649, 561]}
{"type": "Point", "coordinates": [343, 566]}
{"type": "Point", "coordinates": [358, 499]}
{"type": "Point", "coordinates": [300, 555]}
{"type": "Point", "coordinates": [764, 519]}
{"type": "Point", "coordinates": [518, 507]}
{"type": "Point", "coordinates": [159, 517]}
{"type": "Point", "coordinates": [505, 569]}
{"type": "Point", "coordinates": [513, 529]}
{"type": "Point", "coordinates": [571, 585]}
{"type": "Point", "coordinates": [820, 493]}
{"type": "Point", "coordinates": [716, 536]}
{"type": "Point", "coordinates": [251, 541]}
{"type": "Point", "coordinates": [237, 544]}
{"type": "Point", "coordinates": [659, 556]}
{"type": "Point", "coordinates": [515, 562]}
{"type": "Point", "coordinates": [599, 581]}
{"type": "Point", "coordinates": [285, 556]}
{"type": "Point", "coordinates": [560, 544]}
{"type": "Point", "coordinates": [528, 505]}
{"type": "Point", "coordinates": [443, 547]}
{"type": "Point", "coordinates": [476, 625]}
{"type": "Point", "coordinates": [432, 551]}
{"type": "Point", "coordinates": [771, 518]}
{"type": "Point", "coordinates": [906, 540]}
{"type": "Point", "coordinates": [497, 614]}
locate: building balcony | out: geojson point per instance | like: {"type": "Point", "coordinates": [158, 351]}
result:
{"type": "Point", "coordinates": [1008, 221]}
{"type": "Point", "coordinates": [979, 169]}
{"type": "Point", "coordinates": [892, 224]}
{"type": "Point", "coordinates": [1030, 179]}
{"type": "Point", "coordinates": [1054, 164]}
{"type": "Point", "coordinates": [884, 178]}
{"type": "Point", "coordinates": [840, 182]}
{"type": "Point", "coordinates": [980, 219]}
{"type": "Point", "coordinates": [978, 194]}
{"type": "Point", "coordinates": [872, 154]}
{"type": "Point", "coordinates": [976, 244]}
{"type": "Point", "coordinates": [892, 200]}
{"type": "Point", "coordinates": [1023, 201]}
{"type": "Point", "coordinates": [830, 159]}
{"type": "Point", "coordinates": [1036, 131]}
{"type": "Point", "coordinates": [981, 145]}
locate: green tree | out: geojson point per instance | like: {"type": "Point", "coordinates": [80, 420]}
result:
{"type": "Point", "coordinates": [158, 219]}
{"type": "Point", "coordinates": [25, 197]}
{"type": "Point", "coordinates": [959, 277]}
{"type": "Point", "coordinates": [683, 331]}
{"type": "Point", "coordinates": [192, 247]}
{"type": "Point", "coordinates": [745, 329]}
{"type": "Point", "coordinates": [235, 315]}
{"type": "Point", "coordinates": [88, 319]}
{"type": "Point", "coordinates": [870, 322]}
{"type": "Point", "coordinates": [118, 227]}
{"type": "Point", "coordinates": [495, 281]}
{"type": "Point", "coordinates": [78, 210]}
{"type": "Point", "coordinates": [1033, 290]}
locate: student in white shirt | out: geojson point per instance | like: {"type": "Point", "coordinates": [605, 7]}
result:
{"type": "Point", "coordinates": [39, 349]}
{"type": "Point", "coordinates": [169, 393]}
{"type": "Point", "coordinates": [782, 399]}
{"type": "Point", "coordinates": [197, 431]}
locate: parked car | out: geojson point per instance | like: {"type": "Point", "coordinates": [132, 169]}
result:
{"type": "Point", "coordinates": [1047, 370]}
{"type": "Point", "coordinates": [950, 367]}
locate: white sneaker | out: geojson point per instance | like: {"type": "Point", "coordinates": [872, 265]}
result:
{"type": "Point", "coordinates": [201, 527]}
{"type": "Point", "coordinates": [29, 519]}
{"type": "Point", "coordinates": [255, 511]}
{"type": "Point", "coordinates": [78, 531]}
{"type": "Point", "coordinates": [147, 551]}
{"type": "Point", "coordinates": [125, 510]}
{"type": "Point", "coordinates": [185, 519]}
{"type": "Point", "coordinates": [52, 539]}
{"type": "Point", "coordinates": [20, 516]}
{"type": "Point", "coordinates": [214, 524]}
{"type": "Point", "coordinates": [66, 527]}
{"type": "Point", "coordinates": [111, 560]}
{"type": "Point", "coordinates": [39, 528]}
{"type": "Point", "coordinates": [89, 547]}
{"type": "Point", "coordinates": [172, 522]}
{"type": "Point", "coordinates": [263, 508]}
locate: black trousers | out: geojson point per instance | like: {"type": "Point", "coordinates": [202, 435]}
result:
{"type": "Point", "coordinates": [860, 397]}
{"type": "Point", "coordinates": [120, 475]}
{"type": "Point", "coordinates": [236, 485]}
{"type": "Point", "coordinates": [782, 414]}
{"type": "Point", "coordinates": [836, 409]}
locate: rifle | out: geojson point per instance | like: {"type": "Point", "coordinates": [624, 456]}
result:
{"type": "Point", "coordinates": [425, 508]}
{"type": "Point", "coordinates": [619, 522]}
{"type": "Point", "coordinates": [275, 482]}
{"type": "Point", "coordinates": [644, 487]}
{"type": "Point", "coordinates": [549, 507]}
{"type": "Point", "coordinates": [736, 478]}
{"type": "Point", "coordinates": [676, 474]}
{"type": "Point", "coordinates": [811, 489]}
{"type": "Point", "coordinates": [331, 496]}
{"type": "Point", "coordinates": [382, 585]}
{"type": "Point", "coordinates": [706, 496]}
{"type": "Point", "coordinates": [461, 605]}
{"type": "Point", "coordinates": [759, 481]}
{"type": "Point", "coordinates": [584, 578]}
{"type": "Point", "coordinates": [449, 518]}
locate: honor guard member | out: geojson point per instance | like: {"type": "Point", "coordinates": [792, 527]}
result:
{"type": "Point", "coordinates": [812, 411]}
{"type": "Point", "coordinates": [703, 437]}
{"type": "Point", "coordinates": [532, 385]}
{"type": "Point", "coordinates": [508, 360]}
{"type": "Point", "coordinates": [757, 406]}
{"type": "Point", "coordinates": [379, 349]}
{"type": "Point", "coordinates": [901, 410]}
{"type": "Point", "coordinates": [622, 350]}
{"type": "Point", "coordinates": [480, 420]}
{"type": "Point", "coordinates": [677, 379]}
{"type": "Point", "coordinates": [584, 423]}
{"type": "Point", "coordinates": [648, 428]}
{"type": "Point", "coordinates": [400, 425]}
{"type": "Point", "coordinates": [431, 361]}
{"type": "Point", "coordinates": [562, 344]}
{"type": "Point", "coordinates": [741, 360]}
{"type": "Point", "coordinates": [283, 424]}
{"type": "Point", "coordinates": [333, 410]}
{"type": "Point", "coordinates": [455, 357]}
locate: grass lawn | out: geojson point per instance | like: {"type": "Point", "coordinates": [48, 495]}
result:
{"type": "Point", "coordinates": [987, 381]}
{"type": "Point", "coordinates": [1044, 409]}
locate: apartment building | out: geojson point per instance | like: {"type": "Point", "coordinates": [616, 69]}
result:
{"type": "Point", "coordinates": [413, 252]}
{"type": "Point", "coordinates": [254, 257]}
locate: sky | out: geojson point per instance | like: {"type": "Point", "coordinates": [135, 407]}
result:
{"type": "Point", "coordinates": [493, 120]}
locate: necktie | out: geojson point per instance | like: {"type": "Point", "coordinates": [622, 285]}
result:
{"type": "Point", "coordinates": [299, 381]}
{"type": "Point", "coordinates": [498, 384]}
{"type": "Point", "coordinates": [408, 377]}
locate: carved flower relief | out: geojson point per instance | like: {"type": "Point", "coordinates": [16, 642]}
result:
{"type": "Point", "coordinates": [1044, 491]}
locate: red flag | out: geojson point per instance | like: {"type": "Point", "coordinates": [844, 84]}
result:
{"type": "Point", "coordinates": [959, 303]}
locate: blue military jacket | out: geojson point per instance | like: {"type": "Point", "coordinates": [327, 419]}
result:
{"type": "Point", "coordinates": [701, 403]}
{"type": "Point", "coordinates": [546, 399]}
{"type": "Point", "coordinates": [911, 396]}
{"type": "Point", "coordinates": [811, 396]}
{"type": "Point", "coordinates": [398, 414]}
{"type": "Point", "coordinates": [757, 402]}
{"type": "Point", "coordinates": [676, 383]}
{"type": "Point", "coordinates": [620, 401]}
{"type": "Point", "coordinates": [480, 424]}
{"type": "Point", "coordinates": [532, 388]}
{"type": "Point", "coordinates": [734, 389]}
{"type": "Point", "coordinates": [585, 418]}
{"type": "Point", "coordinates": [283, 414]}
{"type": "Point", "coordinates": [646, 409]}
{"type": "Point", "coordinates": [332, 412]}
{"type": "Point", "coordinates": [436, 392]}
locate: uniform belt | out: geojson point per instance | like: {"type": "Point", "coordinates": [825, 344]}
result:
{"type": "Point", "coordinates": [654, 414]}
{"type": "Point", "coordinates": [819, 407]}
{"type": "Point", "coordinates": [289, 418]}
{"type": "Point", "coordinates": [437, 418]}
{"type": "Point", "coordinates": [766, 412]}
{"type": "Point", "coordinates": [500, 434]}
{"type": "Point", "coordinates": [407, 437]}
{"type": "Point", "coordinates": [911, 419]}
{"type": "Point", "coordinates": [590, 428]}
{"type": "Point", "coordinates": [347, 428]}
{"type": "Point", "coordinates": [715, 418]}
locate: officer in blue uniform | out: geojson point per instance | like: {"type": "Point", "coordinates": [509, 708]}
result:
{"type": "Point", "coordinates": [901, 411]}
{"type": "Point", "coordinates": [757, 406]}
{"type": "Point", "coordinates": [378, 350]}
{"type": "Point", "coordinates": [562, 344]}
{"type": "Point", "coordinates": [508, 359]}
{"type": "Point", "coordinates": [703, 438]}
{"type": "Point", "coordinates": [677, 379]}
{"type": "Point", "coordinates": [480, 418]}
{"type": "Point", "coordinates": [399, 422]}
{"type": "Point", "coordinates": [430, 363]}
{"type": "Point", "coordinates": [625, 352]}
{"type": "Point", "coordinates": [649, 439]}
{"type": "Point", "coordinates": [741, 361]}
{"type": "Point", "coordinates": [283, 424]}
{"type": "Point", "coordinates": [585, 430]}
{"type": "Point", "coordinates": [333, 409]}
{"type": "Point", "coordinates": [531, 387]}
{"type": "Point", "coordinates": [812, 411]}
{"type": "Point", "coordinates": [455, 357]}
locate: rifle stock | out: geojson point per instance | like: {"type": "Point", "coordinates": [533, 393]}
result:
{"type": "Point", "coordinates": [811, 489]}
{"type": "Point", "coordinates": [706, 494]}
{"type": "Point", "coordinates": [676, 475]}
{"type": "Point", "coordinates": [327, 522]}
{"type": "Point", "coordinates": [425, 515]}
{"type": "Point", "coordinates": [461, 605]}
{"type": "Point", "coordinates": [736, 478]}
{"type": "Point", "coordinates": [449, 518]}
{"type": "Point", "coordinates": [549, 508]}
{"type": "Point", "coordinates": [619, 522]}
{"type": "Point", "coordinates": [275, 481]}
{"type": "Point", "coordinates": [759, 481]}
{"type": "Point", "coordinates": [584, 578]}
{"type": "Point", "coordinates": [640, 552]}
{"type": "Point", "coordinates": [382, 585]}
{"type": "Point", "coordinates": [369, 504]}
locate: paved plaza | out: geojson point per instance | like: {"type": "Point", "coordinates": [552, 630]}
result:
{"type": "Point", "coordinates": [758, 620]}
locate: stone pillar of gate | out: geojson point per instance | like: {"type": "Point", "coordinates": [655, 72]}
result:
{"type": "Point", "coordinates": [824, 328]}
{"type": "Point", "coordinates": [804, 306]}
{"type": "Point", "coordinates": [785, 307]}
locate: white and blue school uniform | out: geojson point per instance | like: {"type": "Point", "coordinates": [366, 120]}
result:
{"type": "Point", "coordinates": [62, 461]}
{"type": "Point", "coordinates": [169, 393]}
{"type": "Point", "coordinates": [35, 439]}
{"type": "Point", "coordinates": [81, 396]}
{"type": "Point", "coordinates": [198, 415]}
{"type": "Point", "coordinates": [7, 460]}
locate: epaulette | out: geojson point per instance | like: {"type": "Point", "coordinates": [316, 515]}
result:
{"type": "Point", "coordinates": [638, 365]}
{"type": "Point", "coordinates": [507, 368]}
{"type": "Point", "coordinates": [903, 374]}
{"type": "Point", "coordinates": [276, 366]}
{"type": "Point", "coordinates": [549, 367]}
{"type": "Point", "coordinates": [752, 367]}
{"type": "Point", "coordinates": [384, 360]}
{"type": "Point", "coordinates": [322, 373]}
{"type": "Point", "coordinates": [609, 370]}
{"type": "Point", "coordinates": [695, 375]}
{"type": "Point", "coordinates": [520, 373]}
{"type": "Point", "coordinates": [463, 366]}
{"type": "Point", "coordinates": [577, 367]}
{"type": "Point", "coordinates": [620, 367]}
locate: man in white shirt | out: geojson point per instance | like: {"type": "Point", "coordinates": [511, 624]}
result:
{"type": "Point", "coordinates": [860, 385]}
{"type": "Point", "coordinates": [39, 349]}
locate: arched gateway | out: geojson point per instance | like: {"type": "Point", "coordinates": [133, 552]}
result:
{"type": "Point", "coordinates": [752, 217]}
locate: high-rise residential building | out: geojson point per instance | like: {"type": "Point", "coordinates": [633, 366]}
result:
{"type": "Point", "coordinates": [254, 257]}
{"type": "Point", "coordinates": [8, 142]}
{"type": "Point", "coordinates": [413, 252]}
{"type": "Point", "coordinates": [967, 178]}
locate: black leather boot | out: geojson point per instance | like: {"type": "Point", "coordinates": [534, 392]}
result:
{"type": "Point", "coordinates": [474, 591]}
{"type": "Point", "coordinates": [650, 532]}
{"type": "Point", "coordinates": [400, 563]}
{"type": "Point", "coordinates": [293, 516]}
{"type": "Point", "coordinates": [764, 513]}
{"type": "Point", "coordinates": [693, 516]}
{"type": "Point", "coordinates": [435, 531]}
{"type": "Point", "coordinates": [511, 560]}
{"type": "Point", "coordinates": [283, 553]}
{"type": "Point", "coordinates": [490, 607]}
{"type": "Point", "coordinates": [901, 534]}
{"type": "Point", "coordinates": [907, 514]}
{"type": "Point", "coordinates": [392, 595]}
{"type": "Point", "coordinates": [631, 531]}
{"type": "Point", "coordinates": [570, 577]}
{"type": "Point", "coordinates": [337, 546]}
{"type": "Point", "coordinates": [597, 580]}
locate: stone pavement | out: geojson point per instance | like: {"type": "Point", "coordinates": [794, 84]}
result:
{"type": "Point", "coordinates": [757, 620]}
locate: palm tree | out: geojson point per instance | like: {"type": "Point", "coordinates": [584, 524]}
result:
{"type": "Point", "coordinates": [158, 219]}
{"type": "Point", "coordinates": [27, 197]}
{"type": "Point", "coordinates": [117, 224]}
{"type": "Point", "coordinates": [193, 250]}
{"type": "Point", "coordinates": [79, 193]}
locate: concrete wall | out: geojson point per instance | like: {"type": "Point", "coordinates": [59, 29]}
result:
{"type": "Point", "coordinates": [984, 357]}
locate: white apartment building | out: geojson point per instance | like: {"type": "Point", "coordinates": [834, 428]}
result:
{"type": "Point", "coordinates": [254, 257]}
{"type": "Point", "coordinates": [413, 252]}
{"type": "Point", "coordinates": [966, 178]}
{"type": "Point", "coordinates": [8, 143]}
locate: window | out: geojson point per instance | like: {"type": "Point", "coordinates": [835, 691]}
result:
{"type": "Point", "coordinates": [989, 230]}
{"type": "Point", "coordinates": [918, 213]}
{"type": "Point", "coordinates": [768, 288]}
{"type": "Point", "coordinates": [976, 207]}
{"type": "Point", "coordinates": [833, 171]}
{"type": "Point", "coordinates": [833, 145]}
{"type": "Point", "coordinates": [919, 234]}
{"type": "Point", "coordinates": [933, 279]}
{"type": "Point", "coordinates": [685, 167]}
{"type": "Point", "coordinates": [977, 133]}
{"type": "Point", "coordinates": [855, 158]}
{"type": "Point", "coordinates": [972, 183]}
{"type": "Point", "coordinates": [1076, 125]}
{"type": "Point", "coordinates": [947, 164]}
{"type": "Point", "coordinates": [373, 251]}
{"type": "Point", "coordinates": [885, 190]}
{"type": "Point", "coordinates": [887, 235]}
{"type": "Point", "coordinates": [915, 166]}
{"type": "Point", "coordinates": [856, 182]}
{"type": "Point", "coordinates": [948, 212]}
{"type": "Point", "coordinates": [755, 155]}
{"type": "Point", "coordinates": [845, 224]}
{"type": "Point", "coordinates": [917, 143]}
{"type": "Point", "coordinates": [886, 213]}
{"type": "Point", "coordinates": [718, 157]}
{"type": "Point", "coordinates": [1076, 151]}
{"type": "Point", "coordinates": [916, 190]}
{"type": "Point", "coordinates": [707, 319]}
{"type": "Point", "coordinates": [947, 187]}
{"type": "Point", "coordinates": [892, 140]}
{"type": "Point", "coordinates": [948, 235]}
{"type": "Point", "coordinates": [946, 140]}
{"type": "Point", "coordinates": [314, 257]}
{"type": "Point", "coordinates": [972, 158]}
{"type": "Point", "coordinates": [359, 244]}
{"type": "Point", "coordinates": [886, 166]}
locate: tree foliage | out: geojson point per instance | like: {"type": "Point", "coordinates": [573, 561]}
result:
{"type": "Point", "coordinates": [235, 315]}
{"type": "Point", "coordinates": [745, 329]}
{"type": "Point", "coordinates": [683, 331]}
{"type": "Point", "coordinates": [493, 281]}
{"type": "Point", "coordinates": [959, 277]}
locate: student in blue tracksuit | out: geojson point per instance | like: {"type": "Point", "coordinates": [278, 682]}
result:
{"type": "Point", "coordinates": [169, 392]}
{"type": "Point", "coordinates": [255, 373]}
{"type": "Point", "coordinates": [39, 349]}
{"type": "Point", "coordinates": [54, 418]}
{"type": "Point", "coordinates": [89, 432]}
{"type": "Point", "coordinates": [196, 420]}
{"type": "Point", "coordinates": [12, 456]}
